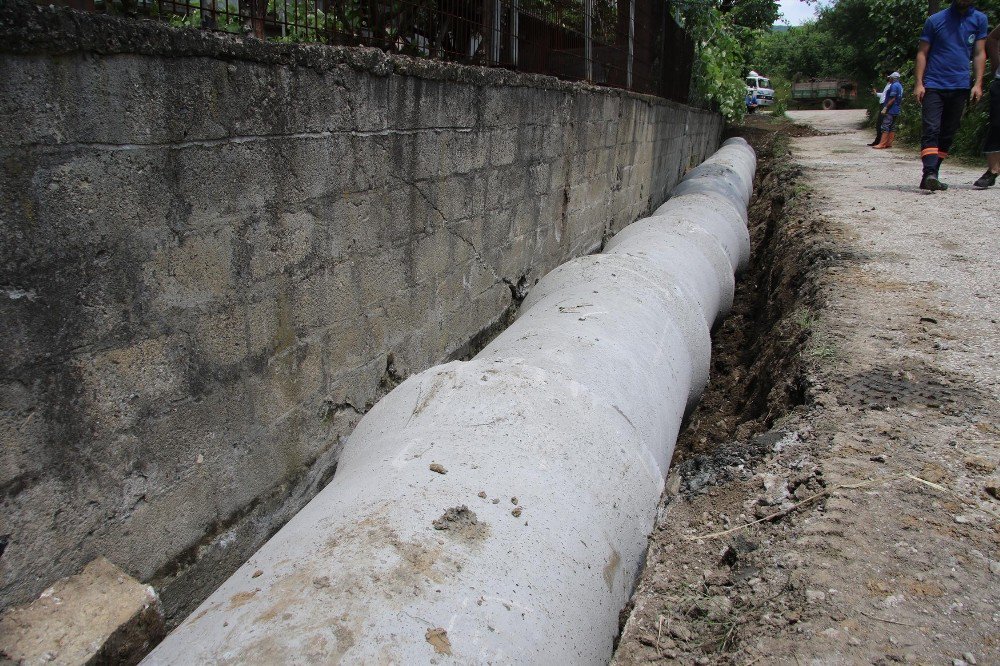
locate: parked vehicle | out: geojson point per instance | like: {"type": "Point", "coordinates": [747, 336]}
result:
{"type": "Point", "coordinates": [828, 93]}
{"type": "Point", "coordinates": [761, 86]}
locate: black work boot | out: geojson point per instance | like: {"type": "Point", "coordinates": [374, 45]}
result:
{"type": "Point", "coordinates": [931, 182]}
{"type": "Point", "coordinates": [988, 179]}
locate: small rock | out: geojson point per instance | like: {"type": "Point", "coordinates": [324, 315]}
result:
{"type": "Point", "coordinates": [980, 464]}
{"type": "Point", "coordinates": [257, 574]}
{"type": "Point", "coordinates": [496, 500]}
{"type": "Point", "coordinates": [456, 518]}
{"type": "Point", "coordinates": [815, 596]}
{"type": "Point", "coordinates": [959, 662]}
{"type": "Point", "coordinates": [703, 661]}
{"type": "Point", "coordinates": [802, 492]}
{"type": "Point", "coordinates": [439, 468]}
{"type": "Point", "coordinates": [995, 567]}
{"type": "Point", "coordinates": [516, 512]}
{"type": "Point", "coordinates": [853, 640]}
{"type": "Point", "coordinates": [482, 493]}
{"type": "Point", "coordinates": [993, 490]}
{"type": "Point", "coordinates": [717, 578]}
{"type": "Point", "coordinates": [879, 458]}
{"type": "Point", "coordinates": [893, 601]}
{"type": "Point", "coordinates": [969, 657]}
{"type": "Point", "coordinates": [775, 489]}
{"type": "Point", "coordinates": [961, 520]}
{"type": "Point", "coordinates": [513, 500]}
{"type": "Point", "coordinates": [763, 511]}
{"type": "Point", "coordinates": [321, 582]}
{"type": "Point", "coordinates": [680, 632]}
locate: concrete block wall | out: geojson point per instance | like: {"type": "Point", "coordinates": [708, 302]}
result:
{"type": "Point", "coordinates": [216, 254]}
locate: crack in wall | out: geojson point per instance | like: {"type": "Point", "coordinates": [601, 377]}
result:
{"type": "Point", "coordinates": [444, 225]}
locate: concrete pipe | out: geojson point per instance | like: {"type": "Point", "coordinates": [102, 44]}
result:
{"type": "Point", "coordinates": [497, 510]}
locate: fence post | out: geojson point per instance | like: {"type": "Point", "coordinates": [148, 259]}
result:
{"type": "Point", "coordinates": [588, 39]}
{"type": "Point", "coordinates": [515, 18]}
{"type": "Point", "coordinates": [496, 39]}
{"type": "Point", "coordinates": [631, 42]}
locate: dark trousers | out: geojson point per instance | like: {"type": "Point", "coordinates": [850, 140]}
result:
{"type": "Point", "coordinates": [942, 114]}
{"type": "Point", "coordinates": [878, 127]}
{"type": "Point", "coordinates": [992, 144]}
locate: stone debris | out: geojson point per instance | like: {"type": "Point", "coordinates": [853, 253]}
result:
{"type": "Point", "coordinates": [438, 638]}
{"type": "Point", "coordinates": [456, 518]}
{"type": "Point", "coordinates": [438, 467]}
{"type": "Point", "coordinates": [101, 615]}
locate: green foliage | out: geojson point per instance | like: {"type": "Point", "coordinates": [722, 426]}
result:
{"type": "Point", "coordinates": [717, 73]}
{"type": "Point", "coordinates": [802, 52]}
{"type": "Point", "coordinates": [755, 15]}
{"type": "Point", "coordinates": [198, 15]}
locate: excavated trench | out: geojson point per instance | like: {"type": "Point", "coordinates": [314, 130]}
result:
{"type": "Point", "coordinates": [760, 373]}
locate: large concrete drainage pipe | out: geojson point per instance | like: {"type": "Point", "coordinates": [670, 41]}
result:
{"type": "Point", "coordinates": [497, 510]}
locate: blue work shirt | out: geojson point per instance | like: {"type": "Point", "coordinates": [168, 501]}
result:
{"type": "Point", "coordinates": [895, 93]}
{"type": "Point", "coordinates": [951, 37]}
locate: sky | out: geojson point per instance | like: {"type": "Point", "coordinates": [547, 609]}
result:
{"type": "Point", "coordinates": [796, 12]}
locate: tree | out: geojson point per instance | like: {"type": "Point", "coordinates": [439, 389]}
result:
{"type": "Point", "coordinates": [751, 14]}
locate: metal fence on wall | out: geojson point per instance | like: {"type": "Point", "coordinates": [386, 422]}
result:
{"type": "Point", "coordinates": [631, 44]}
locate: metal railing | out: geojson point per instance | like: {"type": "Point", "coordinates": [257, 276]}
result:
{"type": "Point", "coordinates": [630, 44]}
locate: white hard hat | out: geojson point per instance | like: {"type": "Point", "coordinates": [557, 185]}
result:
{"type": "Point", "coordinates": [894, 75]}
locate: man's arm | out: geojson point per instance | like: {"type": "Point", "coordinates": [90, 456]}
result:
{"type": "Point", "coordinates": [978, 69]}
{"type": "Point", "coordinates": [993, 49]}
{"type": "Point", "coordinates": [921, 66]}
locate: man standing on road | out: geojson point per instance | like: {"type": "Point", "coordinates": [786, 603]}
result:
{"type": "Point", "coordinates": [890, 112]}
{"type": "Point", "coordinates": [950, 39]}
{"type": "Point", "coordinates": [881, 105]}
{"type": "Point", "coordinates": [992, 145]}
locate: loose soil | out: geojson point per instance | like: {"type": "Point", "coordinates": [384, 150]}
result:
{"type": "Point", "coordinates": [834, 498]}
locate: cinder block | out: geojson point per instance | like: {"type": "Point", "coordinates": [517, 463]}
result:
{"type": "Point", "coordinates": [101, 615]}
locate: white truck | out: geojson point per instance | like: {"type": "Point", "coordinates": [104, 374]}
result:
{"type": "Point", "coordinates": [760, 86]}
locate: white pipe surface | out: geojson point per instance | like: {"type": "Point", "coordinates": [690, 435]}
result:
{"type": "Point", "coordinates": [556, 437]}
